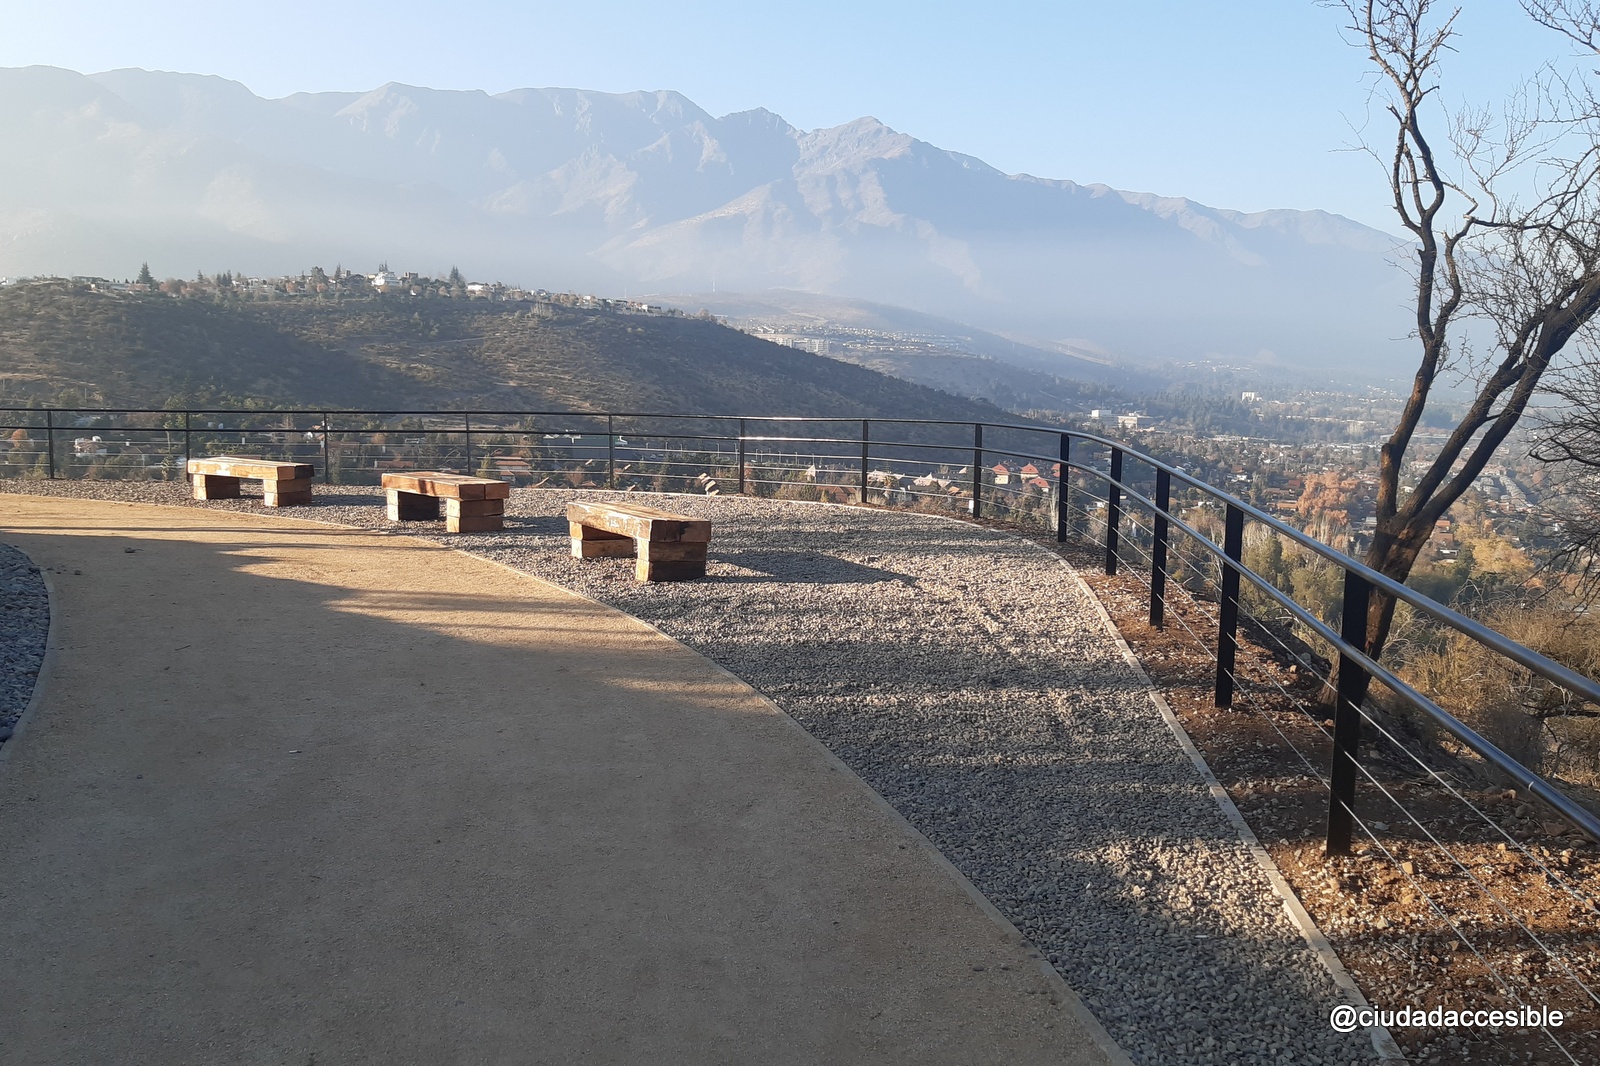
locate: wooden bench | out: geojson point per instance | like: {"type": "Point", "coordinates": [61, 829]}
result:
{"type": "Point", "coordinates": [282, 484]}
{"type": "Point", "coordinates": [669, 547]}
{"type": "Point", "coordinates": [471, 504]}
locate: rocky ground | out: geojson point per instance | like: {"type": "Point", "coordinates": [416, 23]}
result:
{"type": "Point", "coordinates": [24, 625]}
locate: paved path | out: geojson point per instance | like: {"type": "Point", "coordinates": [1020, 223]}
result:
{"type": "Point", "coordinates": [293, 794]}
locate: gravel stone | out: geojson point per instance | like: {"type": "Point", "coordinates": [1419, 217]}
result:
{"type": "Point", "coordinates": [24, 625]}
{"type": "Point", "coordinates": [963, 673]}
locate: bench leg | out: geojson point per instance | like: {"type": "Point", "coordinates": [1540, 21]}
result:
{"type": "Point", "coordinates": [215, 487]}
{"type": "Point", "coordinates": [591, 543]}
{"type": "Point", "coordinates": [412, 506]}
{"type": "Point", "coordinates": [474, 516]}
{"type": "Point", "coordinates": [672, 560]}
{"type": "Point", "coordinates": [287, 492]}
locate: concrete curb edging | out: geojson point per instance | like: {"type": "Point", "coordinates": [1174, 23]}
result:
{"type": "Point", "coordinates": [52, 632]}
{"type": "Point", "coordinates": [1069, 999]}
{"type": "Point", "coordinates": [1382, 1041]}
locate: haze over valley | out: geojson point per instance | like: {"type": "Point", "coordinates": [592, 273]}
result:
{"type": "Point", "coordinates": [646, 193]}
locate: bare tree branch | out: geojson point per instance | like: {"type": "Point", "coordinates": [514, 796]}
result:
{"type": "Point", "coordinates": [1530, 271]}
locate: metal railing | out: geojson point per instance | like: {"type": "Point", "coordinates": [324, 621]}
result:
{"type": "Point", "coordinates": [755, 454]}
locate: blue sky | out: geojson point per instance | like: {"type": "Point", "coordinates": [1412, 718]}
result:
{"type": "Point", "coordinates": [1234, 103]}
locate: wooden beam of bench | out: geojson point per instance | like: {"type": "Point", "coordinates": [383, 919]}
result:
{"type": "Point", "coordinates": [582, 532]}
{"type": "Point", "coordinates": [255, 469]}
{"type": "Point", "coordinates": [295, 492]}
{"type": "Point", "coordinates": [473, 508]}
{"type": "Point", "coordinates": [640, 523]}
{"type": "Point", "coordinates": [670, 560]}
{"type": "Point", "coordinates": [490, 523]}
{"type": "Point", "coordinates": [591, 543]}
{"type": "Point", "coordinates": [616, 548]}
{"type": "Point", "coordinates": [215, 487]}
{"type": "Point", "coordinates": [448, 486]}
{"type": "Point", "coordinates": [672, 551]}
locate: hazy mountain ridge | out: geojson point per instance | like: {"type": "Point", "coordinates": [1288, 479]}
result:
{"type": "Point", "coordinates": [570, 188]}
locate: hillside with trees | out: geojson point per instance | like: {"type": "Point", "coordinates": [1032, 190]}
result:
{"type": "Point", "coordinates": [70, 344]}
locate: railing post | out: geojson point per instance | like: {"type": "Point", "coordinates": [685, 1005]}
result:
{"type": "Point", "coordinates": [1113, 510]}
{"type": "Point", "coordinates": [466, 423]}
{"type": "Point", "coordinates": [1063, 488]}
{"type": "Point", "coordinates": [977, 469]}
{"type": "Point", "coordinates": [611, 451]}
{"type": "Point", "coordinates": [1228, 616]}
{"type": "Point", "coordinates": [741, 457]}
{"type": "Point", "coordinates": [863, 461]}
{"type": "Point", "coordinates": [1158, 551]}
{"type": "Point", "coordinates": [1347, 716]}
{"type": "Point", "coordinates": [50, 442]}
{"type": "Point", "coordinates": [188, 450]}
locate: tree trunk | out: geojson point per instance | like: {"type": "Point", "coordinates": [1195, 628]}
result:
{"type": "Point", "coordinates": [1392, 555]}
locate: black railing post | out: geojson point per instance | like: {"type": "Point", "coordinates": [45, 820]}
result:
{"type": "Point", "coordinates": [611, 451]}
{"type": "Point", "coordinates": [741, 457]}
{"type": "Point", "coordinates": [188, 450]}
{"type": "Point", "coordinates": [1347, 716]}
{"type": "Point", "coordinates": [1063, 488]}
{"type": "Point", "coordinates": [327, 467]}
{"type": "Point", "coordinates": [1113, 510]}
{"type": "Point", "coordinates": [50, 442]}
{"type": "Point", "coordinates": [1228, 616]}
{"type": "Point", "coordinates": [864, 438]}
{"type": "Point", "coordinates": [466, 424]}
{"type": "Point", "coordinates": [977, 469]}
{"type": "Point", "coordinates": [1158, 551]}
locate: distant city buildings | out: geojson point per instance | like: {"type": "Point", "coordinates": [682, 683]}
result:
{"type": "Point", "coordinates": [799, 341]}
{"type": "Point", "coordinates": [384, 283]}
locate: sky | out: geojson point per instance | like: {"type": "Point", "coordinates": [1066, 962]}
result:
{"type": "Point", "coordinates": [1244, 104]}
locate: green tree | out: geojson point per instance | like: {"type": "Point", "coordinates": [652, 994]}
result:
{"type": "Point", "coordinates": [145, 277]}
{"type": "Point", "coordinates": [1319, 587]}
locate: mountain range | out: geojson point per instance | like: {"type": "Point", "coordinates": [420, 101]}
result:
{"type": "Point", "coordinates": [646, 192]}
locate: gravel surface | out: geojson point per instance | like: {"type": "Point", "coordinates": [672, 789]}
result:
{"type": "Point", "coordinates": [24, 624]}
{"type": "Point", "coordinates": [963, 673]}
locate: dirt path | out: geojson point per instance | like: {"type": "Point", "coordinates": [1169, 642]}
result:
{"type": "Point", "coordinates": [295, 794]}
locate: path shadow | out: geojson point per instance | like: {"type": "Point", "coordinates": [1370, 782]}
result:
{"type": "Point", "coordinates": [803, 568]}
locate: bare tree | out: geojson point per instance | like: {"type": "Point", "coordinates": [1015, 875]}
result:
{"type": "Point", "coordinates": [1570, 441]}
{"type": "Point", "coordinates": [1572, 432]}
{"type": "Point", "coordinates": [1505, 229]}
